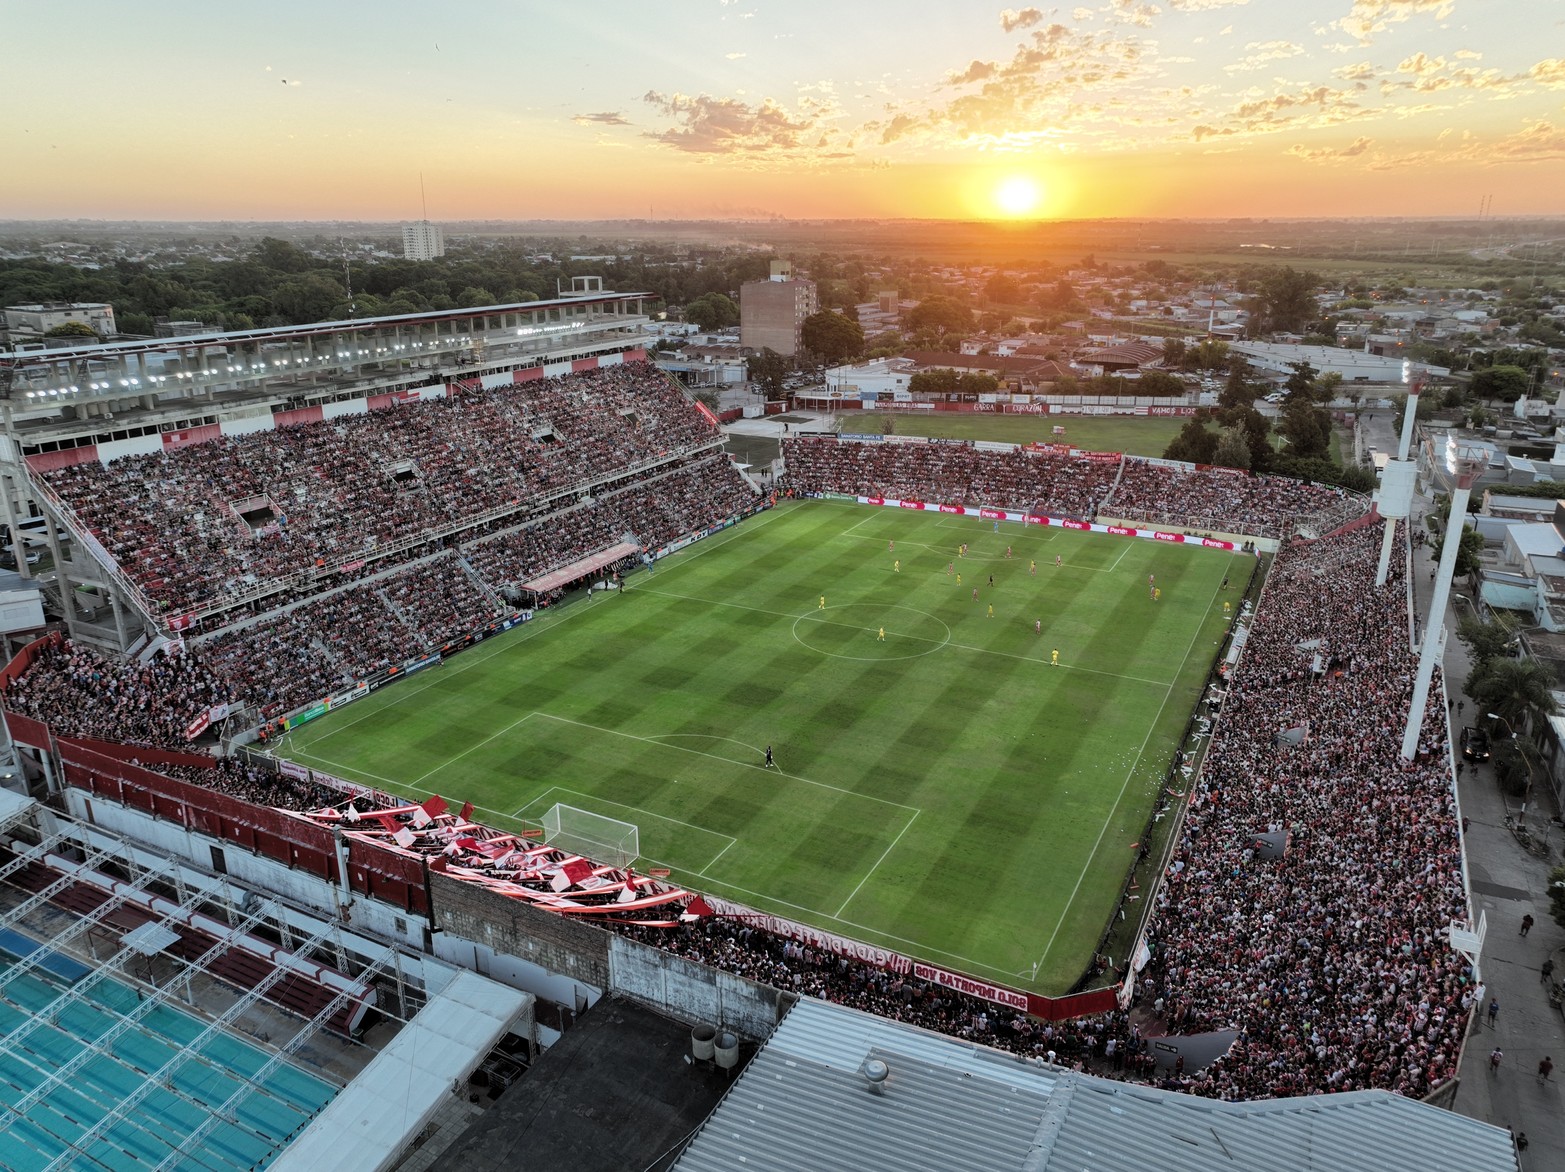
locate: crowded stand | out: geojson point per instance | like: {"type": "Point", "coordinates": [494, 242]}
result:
{"type": "Point", "coordinates": [950, 474]}
{"type": "Point", "coordinates": [198, 525]}
{"type": "Point", "coordinates": [1214, 498]}
{"type": "Point", "coordinates": [1330, 959]}
{"type": "Point", "coordinates": [80, 693]}
{"type": "Point", "coordinates": [1327, 960]}
{"type": "Point", "coordinates": [653, 512]}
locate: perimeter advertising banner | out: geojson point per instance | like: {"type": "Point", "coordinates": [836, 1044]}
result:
{"type": "Point", "coordinates": [1061, 522]}
{"type": "Point", "coordinates": [1049, 1008]}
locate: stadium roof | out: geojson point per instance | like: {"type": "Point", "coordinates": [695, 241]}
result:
{"type": "Point", "coordinates": [286, 333]}
{"type": "Point", "coordinates": [380, 1111]}
{"type": "Point", "coordinates": [804, 1102]}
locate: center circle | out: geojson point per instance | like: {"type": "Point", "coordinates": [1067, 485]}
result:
{"type": "Point", "coordinates": [851, 630]}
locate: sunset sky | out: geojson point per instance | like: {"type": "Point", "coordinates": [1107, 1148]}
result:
{"type": "Point", "coordinates": [688, 109]}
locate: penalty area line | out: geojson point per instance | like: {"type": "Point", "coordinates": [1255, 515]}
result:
{"type": "Point", "coordinates": [877, 863]}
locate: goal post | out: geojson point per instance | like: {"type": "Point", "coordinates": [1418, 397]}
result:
{"type": "Point", "coordinates": [604, 840]}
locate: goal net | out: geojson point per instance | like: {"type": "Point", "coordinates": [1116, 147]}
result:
{"type": "Point", "coordinates": [603, 840]}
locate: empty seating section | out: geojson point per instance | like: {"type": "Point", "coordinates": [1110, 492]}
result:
{"type": "Point", "coordinates": [238, 967]}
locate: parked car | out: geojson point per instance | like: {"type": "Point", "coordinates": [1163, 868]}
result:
{"type": "Point", "coordinates": [1475, 744]}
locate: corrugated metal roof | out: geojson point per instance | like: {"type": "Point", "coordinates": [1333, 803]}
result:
{"type": "Point", "coordinates": [804, 1103]}
{"type": "Point", "coordinates": [1106, 1121]}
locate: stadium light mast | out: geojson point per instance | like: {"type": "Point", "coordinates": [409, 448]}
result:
{"type": "Point", "coordinates": [1463, 464]}
{"type": "Point", "coordinates": [1396, 482]}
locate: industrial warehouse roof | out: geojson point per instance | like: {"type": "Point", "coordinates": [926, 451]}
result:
{"type": "Point", "coordinates": [804, 1102]}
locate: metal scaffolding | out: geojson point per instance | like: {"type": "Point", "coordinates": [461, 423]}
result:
{"type": "Point", "coordinates": [61, 1111]}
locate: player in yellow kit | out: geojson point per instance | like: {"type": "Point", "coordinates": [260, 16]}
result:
{"type": "Point", "coordinates": [1054, 658]}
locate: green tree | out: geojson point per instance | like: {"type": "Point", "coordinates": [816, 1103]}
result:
{"type": "Point", "coordinates": [712, 311]}
{"type": "Point", "coordinates": [1232, 450]}
{"type": "Point", "coordinates": [1485, 640]}
{"type": "Point", "coordinates": [941, 315]}
{"type": "Point", "coordinates": [1208, 354]}
{"type": "Point", "coordinates": [1257, 430]}
{"type": "Point", "coordinates": [1238, 390]}
{"type": "Point", "coordinates": [767, 369]}
{"type": "Point", "coordinates": [975, 383]}
{"type": "Point", "coordinates": [1520, 690]}
{"type": "Point", "coordinates": [1284, 302]}
{"type": "Point", "coordinates": [1515, 759]}
{"type": "Point", "coordinates": [1301, 380]}
{"type": "Point", "coordinates": [1505, 383]}
{"type": "Point", "coordinates": [1160, 383]}
{"type": "Point", "coordinates": [71, 329]}
{"type": "Point", "coordinates": [1467, 561]}
{"type": "Point", "coordinates": [1002, 289]}
{"type": "Point", "coordinates": [832, 336]}
{"type": "Point", "coordinates": [307, 298]}
{"type": "Point", "coordinates": [476, 295]}
{"type": "Point", "coordinates": [1194, 443]}
{"type": "Point", "coordinates": [1173, 352]}
{"type": "Point", "coordinates": [933, 382]}
{"type": "Point", "coordinates": [1306, 427]}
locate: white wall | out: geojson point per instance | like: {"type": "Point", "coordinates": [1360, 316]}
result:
{"type": "Point", "coordinates": [347, 407]}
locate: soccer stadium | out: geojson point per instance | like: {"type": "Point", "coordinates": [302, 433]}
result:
{"type": "Point", "coordinates": [931, 781]}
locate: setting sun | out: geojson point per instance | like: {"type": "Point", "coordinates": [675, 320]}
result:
{"type": "Point", "coordinates": [1017, 196]}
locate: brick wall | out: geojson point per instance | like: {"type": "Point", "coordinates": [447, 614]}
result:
{"type": "Point", "coordinates": [506, 925]}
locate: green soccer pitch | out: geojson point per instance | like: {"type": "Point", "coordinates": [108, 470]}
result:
{"type": "Point", "coordinates": [944, 791]}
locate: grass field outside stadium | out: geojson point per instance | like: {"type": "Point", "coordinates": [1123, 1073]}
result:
{"type": "Point", "coordinates": [941, 789]}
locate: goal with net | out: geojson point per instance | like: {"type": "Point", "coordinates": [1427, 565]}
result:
{"type": "Point", "coordinates": [603, 840]}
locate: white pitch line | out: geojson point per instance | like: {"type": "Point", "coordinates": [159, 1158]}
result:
{"type": "Point", "coordinates": [1129, 773]}
{"type": "Point", "coordinates": [472, 748]}
{"type": "Point", "coordinates": [726, 760]}
{"type": "Point", "coordinates": [877, 863]}
{"type": "Point", "coordinates": [702, 872]}
{"type": "Point", "coordinates": [652, 814]}
{"type": "Point", "coordinates": [913, 945]}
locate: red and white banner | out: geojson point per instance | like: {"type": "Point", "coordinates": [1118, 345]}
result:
{"type": "Point", "coordinates": [998, 994]}
{"type": "Point", "coordinates": [1063, 522]}
{"type": "Point", "coordinates": [792, 930]}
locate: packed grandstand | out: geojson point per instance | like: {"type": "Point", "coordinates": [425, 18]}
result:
{"type": "Point", "coordinates": [319, 554]}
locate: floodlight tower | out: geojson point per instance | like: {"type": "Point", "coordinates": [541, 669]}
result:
{"type": "Point", "coordinates": [1462, 463]}
{"type": "Point", "coordinates": [1396, 482]}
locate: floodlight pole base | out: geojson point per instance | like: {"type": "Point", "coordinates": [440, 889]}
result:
{"type": "Point", "coordinates": [1434, 624]}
